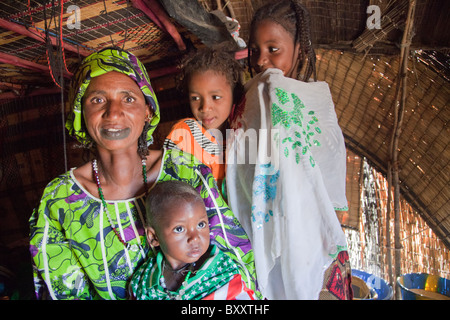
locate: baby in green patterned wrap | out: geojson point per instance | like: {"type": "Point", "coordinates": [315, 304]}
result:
{"type": "Point", "coordinates": [186, 266]}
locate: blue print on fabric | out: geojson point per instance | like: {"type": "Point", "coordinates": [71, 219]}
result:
{"type": "Point", "coordinates": [264, 192]}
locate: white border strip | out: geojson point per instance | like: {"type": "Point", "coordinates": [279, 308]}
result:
{"type": "Point", "coordinates": [219, 214]}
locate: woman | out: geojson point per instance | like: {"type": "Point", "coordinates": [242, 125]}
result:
{"type": "Point", "coordinates": [87, 234]}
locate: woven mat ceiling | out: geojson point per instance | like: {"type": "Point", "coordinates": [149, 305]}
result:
{"type": "Point", "coordinates": [361, 66]}
{"type": "Point", "coordinates": [27, 26]}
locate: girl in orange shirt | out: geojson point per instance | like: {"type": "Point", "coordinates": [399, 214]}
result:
{"type": "Point", "coordinates": [211, 78]}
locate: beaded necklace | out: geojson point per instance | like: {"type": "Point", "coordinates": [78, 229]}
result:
{"type": "Point", "coordinates": [100, 192]}
{"type": "Point", "coordinates": [187, 268]}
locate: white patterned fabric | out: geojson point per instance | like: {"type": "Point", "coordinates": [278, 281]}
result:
{"type": "Point", "coordinates": [285, 184]}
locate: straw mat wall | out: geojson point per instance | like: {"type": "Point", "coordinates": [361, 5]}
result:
{"type": "Point", "coordinates": [422, 250]}
{"type": "Point", "coordinates": [363, 89]}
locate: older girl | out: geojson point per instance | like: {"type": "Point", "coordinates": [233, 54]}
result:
{"type": "Point", "coordinates": [286, 198]}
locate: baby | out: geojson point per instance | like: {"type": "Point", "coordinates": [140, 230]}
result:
{"type": "Point", "coordinates": [186, 266]}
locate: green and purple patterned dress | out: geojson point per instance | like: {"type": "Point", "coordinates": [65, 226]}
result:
{"type": "Point", "coordinates": [77, 255]}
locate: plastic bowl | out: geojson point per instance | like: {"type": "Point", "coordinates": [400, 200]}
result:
{"type": "Point", "coordinates": [383, 291]}
{"type": "Point", "coordinates": [423, 286]}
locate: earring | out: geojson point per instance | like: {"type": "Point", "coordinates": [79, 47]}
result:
{"type": "Point", "coordinates": [148, 118]}
{"type": "Point", "coordinates": [153, 249]}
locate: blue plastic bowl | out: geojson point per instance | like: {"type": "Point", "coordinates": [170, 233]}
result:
{"type": "Point", "coordinates": [431, 283]}
{"type": "Point", "coordinates": [382, 288]}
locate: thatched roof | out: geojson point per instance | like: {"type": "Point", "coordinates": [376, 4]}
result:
{"type": "Point", "coordinates": [361, 65]}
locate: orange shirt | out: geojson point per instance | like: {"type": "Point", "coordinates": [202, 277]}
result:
{"type": "Point", "coordinates": [189, 136]}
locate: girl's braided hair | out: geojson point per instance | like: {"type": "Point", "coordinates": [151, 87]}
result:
{"type": "Point", "coordinates": [295, 19]}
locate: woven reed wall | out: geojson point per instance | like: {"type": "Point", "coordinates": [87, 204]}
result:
{"type": "Point", "coordinates": [422, 250]}
{"type": "Point", "coordinates": [363, 90]}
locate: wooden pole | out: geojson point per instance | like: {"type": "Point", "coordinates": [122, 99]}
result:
{"type": "Point", "coordinates": [9, 59]}
{"type": "Point", "coordinates": [399, 112]}
{"type": "Point", "coordinates": [388, 225]}
{"type": "Point", "coordinates": [156, 13]}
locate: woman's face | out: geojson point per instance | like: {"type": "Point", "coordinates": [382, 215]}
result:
{"type": "Point", "coordinates": [114, 110]}
{"type": "Point", "coordinates": [210, 98]}
{"type": "Point", "coordinates": [273, 47]}
{"type": "Point", "coordinates": [182, 233]}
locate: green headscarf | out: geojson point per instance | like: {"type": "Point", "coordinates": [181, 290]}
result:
{"type": "Point", "coordinates": [96, 64]}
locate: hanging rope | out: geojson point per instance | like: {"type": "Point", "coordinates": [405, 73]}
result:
{"type": "Point", "coordinates": [61, 42]}
{"type": "Point", "coordinates": [126, 25]}
{"type": "Point", "coordinates": [105, 12]}
{"type": "Point", "coordinates": [62, 62]}
{"type": "Point", "coordinates": [31, 19]}
{"type": "Point", "coordinates": [53, 55]}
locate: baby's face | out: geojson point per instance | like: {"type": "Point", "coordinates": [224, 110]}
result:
{"type": "Point", "coordinates": [184, 233]}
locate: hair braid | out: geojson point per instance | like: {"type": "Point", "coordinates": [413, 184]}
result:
{"type": "Point", "coordinates": [304, 26]}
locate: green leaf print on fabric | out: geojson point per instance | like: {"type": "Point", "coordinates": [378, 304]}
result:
{"type": "Point", "coordinates": [301, 129]}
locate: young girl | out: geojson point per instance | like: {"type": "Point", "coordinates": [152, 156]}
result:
{"type": "Point", "coordinates": [211, 78]}
{"type": "Point", "coordinates": [187, 266]}
{"type": "Point", "coordinates": [286, 198]}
